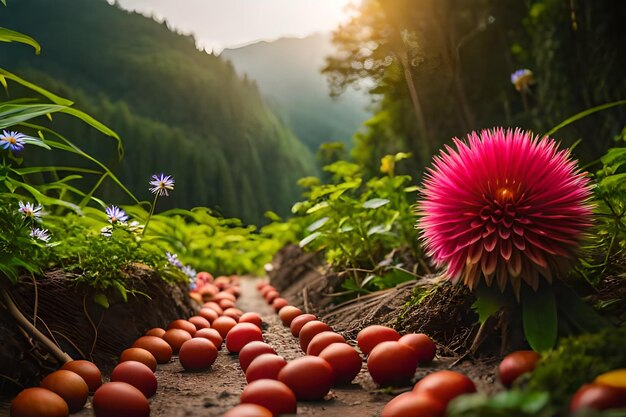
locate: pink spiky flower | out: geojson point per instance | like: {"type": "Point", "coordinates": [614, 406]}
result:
{"type": "Point", "coordinates": [506, 205]}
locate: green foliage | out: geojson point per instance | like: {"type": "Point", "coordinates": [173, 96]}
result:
{"type": "Point", "coordinates": [504, 404]}
{"type": "Point", "coordinates": [360, 225]}
{"type": "Point", "coordinates": [181, 111]}
{"type": "Point", "coordinates": [578, 360]}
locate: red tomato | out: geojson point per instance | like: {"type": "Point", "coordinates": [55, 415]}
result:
{"type": "Point", "coordinates": [209, 314]}
{"type": "Point", "coordinates": [298, 322]}
{"type": "Point", "coordinates": [248, 410]}
{"type": "Point", "coordinates": [279, 303]}
{"type": "Point", "coordinates": [261, 284]}
{"type": "Point", "coordinates": [176, 337]}
{"type": "Point", "coordinates": [70, 386]}
{"type": "Point", "coordinates": [392, 364]}
{"type": "Point", "coordinates": [242, 334]}
{"type": "Point", "coordinates": [183, 325]}
{"type": "Point", "coordinates": [223, 295]}
{"type": "Point", "coordinates": [197, 353]}
{"type": "Point", "coordinates": [204, 276]}
{"type": "Point", "coordinates": [214, 306]}
{"type": "Point", "coordinates": [233, 312]}
{"type": "Point", "coordinates": [321, 340]}
{"type": "Point", "coordinates": [213, 335]}
{"type": "Point", "coordinates": [270, 296]}
{"type": "Point", "coordinates": [139, 355]}
{"type": "Point", "coordinates": [267, 289]}
{"type": "Point", "coordinates": [88, 371]}
{"type": "Point", "coordinates": [371, 336]}
{"type": "Point", "coordinates": [424, 347]}
{"type": "Point", "coordinates": [311, 329]}
{"type": "Point", "coordinates": [411, 404]}
{"type": "Point", "coordinates": [288, 313]}
{"type": "Point", "coordinates": [39, 402]}
{"type": "Point", "coordinates": [119, 399]}
{"type": "Point", "coordinates": [271, 394]}
{"type": "Point", "coordinates": [161, 350]}
{"type": "Point", "coordinates": [309, 377]}
{"type": "Point", "coordinates": [251, 351]}
{"type": "Point", "coordinates": [223, 325]}
{"type": "Point", "coordinates": [515, 364]}
{"type": "Point", "coordinates": [226, 304]}
{"type": "Point", "coordinates": [200, 322]}
{"type": "Point", "coordinates": [445, 385]}
{"type": "Point", "coordinates": [345, 361]}
{"type": "Point", "coordinates": [136, 374]}
{"type": "Point", "coordinates": [234, 290]}
{"type": "Point", "coordinates": [598, 397]}
{"type": "Point", "coordinates": [156, 331]}
{"type": "Point", "coordinates": [253, 318]}
{"type": "Point", "coordinates": [265, 366]}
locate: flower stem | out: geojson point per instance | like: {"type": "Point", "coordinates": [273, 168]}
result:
{"type": "Point", "coordinates": [150, 214]}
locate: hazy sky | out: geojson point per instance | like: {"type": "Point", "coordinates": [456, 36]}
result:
{"type": "Point", "coordinates": [224, 23]}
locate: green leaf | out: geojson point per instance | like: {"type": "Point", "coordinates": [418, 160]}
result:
{"type": "Point", "coordinates": [539, 315]}
{"type": "Point", "coordinates": [487, 304]}
{"type": "Point", "coordinates": [576, 311]}
{"type": "Point", "coordinates": [317, 207]}
{"type": "Point", "coordinates": [8, 35]}
{"type": "Point", "coordinates": [310, 238]}
{"type": "Point", "coordinates": [584, 114]}
{"type": "Point", "coordinates": [50, 96]}
{"type": "Point", "coordinates": [375, 203]}
{"type": "Point", "coordinates": [317, 224]}
{"type": "Point", "coordinates": [102, 300]}
{"type": "Point", "coordinates": [13, 114]}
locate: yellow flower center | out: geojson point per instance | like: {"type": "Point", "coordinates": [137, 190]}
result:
{"type": "Point", "coordinates": [504, 195]}
{"type": "Point", "coordinates": [10, 139]}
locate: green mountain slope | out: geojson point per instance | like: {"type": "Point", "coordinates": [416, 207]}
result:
{"type": "Point", "coordinates": [179, 110]}
{"type": "Point", "coordinates": [288, 74]}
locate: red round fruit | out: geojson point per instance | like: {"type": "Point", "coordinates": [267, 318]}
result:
{"type": "Point", "coordinates": [223, 295]}
{"type": "Point", "coordinates": [176, 337]}
{"type": "Point", "coordinates": [155, 331]}
{"type": "Point", "coordinates": [288, 313]}
{"type": "Point", "coordinates": [161, 350]}
{"type": "Point", "coordinates": [119, 399]}
{"type": "Point", "coordinates": [279, 303]}
{"type": "Point", "coordinates": [204, 276]}
{"type": "Point", "coordinates": [253, 318]}
{"type": "Point", "coordinates": [88, 371]}
{"type": "Point", "coordinates": [68, 385]}
{"type": "Point", "coordinates": [250, 351]}
{"type": "Point", "coordinates": [200, 322]}
{"type": "Point", "coordinates": [271, 394]}
{"type": "Point", "coordinates": [270, 296]}
{"type": "Point", "coordinates": [298, 322]}
{"type": "Point", "coordinates": [197, 353]}
{"type": "Point", "coordinates": [392, 364]}
{"type": "Point", "coordinates": [598, 397]}
{"type": "Point", "coordinates": [212, 335]}
{"type": "Point", "coordinates": [223, 325]}
{"type": "Point", "coordinates": [214, 306]}
{"type": "Point", "coordinates": [265, 366]}
{"type": "Point", "coordinates": [515, 364]}
{"type": "Point", "coordinates": [267, 289]}
{"type": "Point", "coordinates": [261, 284]}
{"type": "Point", "coordinates": [183, 325]}
{"type": "Point", "coordinates": [242, 334]}
{"type": "Point", "coordinates": [345, 361]}
{"type": "Point", "coordinates": [226, 304]}
{"type": "Point", "coordinates": [38, 402]}
{"type": "Point", "coordinates": [248, 410]}
{"type": "Point", "coordinates": [309, 377]}
{"type": "Point", "coordinates": [208, 313]}
{"type": "Point", "coordinates": [410, 404]}
{"type": "Point", "coordinates": [321, 340]}
{"type": "Point", "coordinates": [371, 336]}
{"type": "Point", "coordinates": [424, 347]}
{"type": "Point", "coordinates": [136, 374]}
{"type": "Point", "coordinates": [235, 313]}
{"type": "Point", "coordinates": [139, 355]}
{"type": "Point", "coordinates": [445, 385]}
{"type": "Point", "coordinates": [310, 330]}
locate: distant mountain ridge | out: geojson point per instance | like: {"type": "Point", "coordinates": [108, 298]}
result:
{"type": "Point", "coordinates": [287, 72]}
{"type": "Point", "coordinates": [179, 110]}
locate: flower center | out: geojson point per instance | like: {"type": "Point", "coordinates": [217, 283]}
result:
{"type": "Point", "coordinates": [10, 139]}
{"type": "Point", "coordinates": [504, 195]}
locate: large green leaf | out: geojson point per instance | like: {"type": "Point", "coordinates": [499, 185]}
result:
{"type": "Point", "coordinates": [539, 314]}
{"type": "Point", "coordinates": [50, 96]}
{"type": "Point", "coordinates": [375, 203]}
{"type": "Point", "coordinates": [8, 35]}
{"type": "Point", "coordinates": [13, 114]}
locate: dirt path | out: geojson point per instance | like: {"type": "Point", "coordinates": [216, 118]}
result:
{"type": "Point", "coordinates": [210, 393]}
